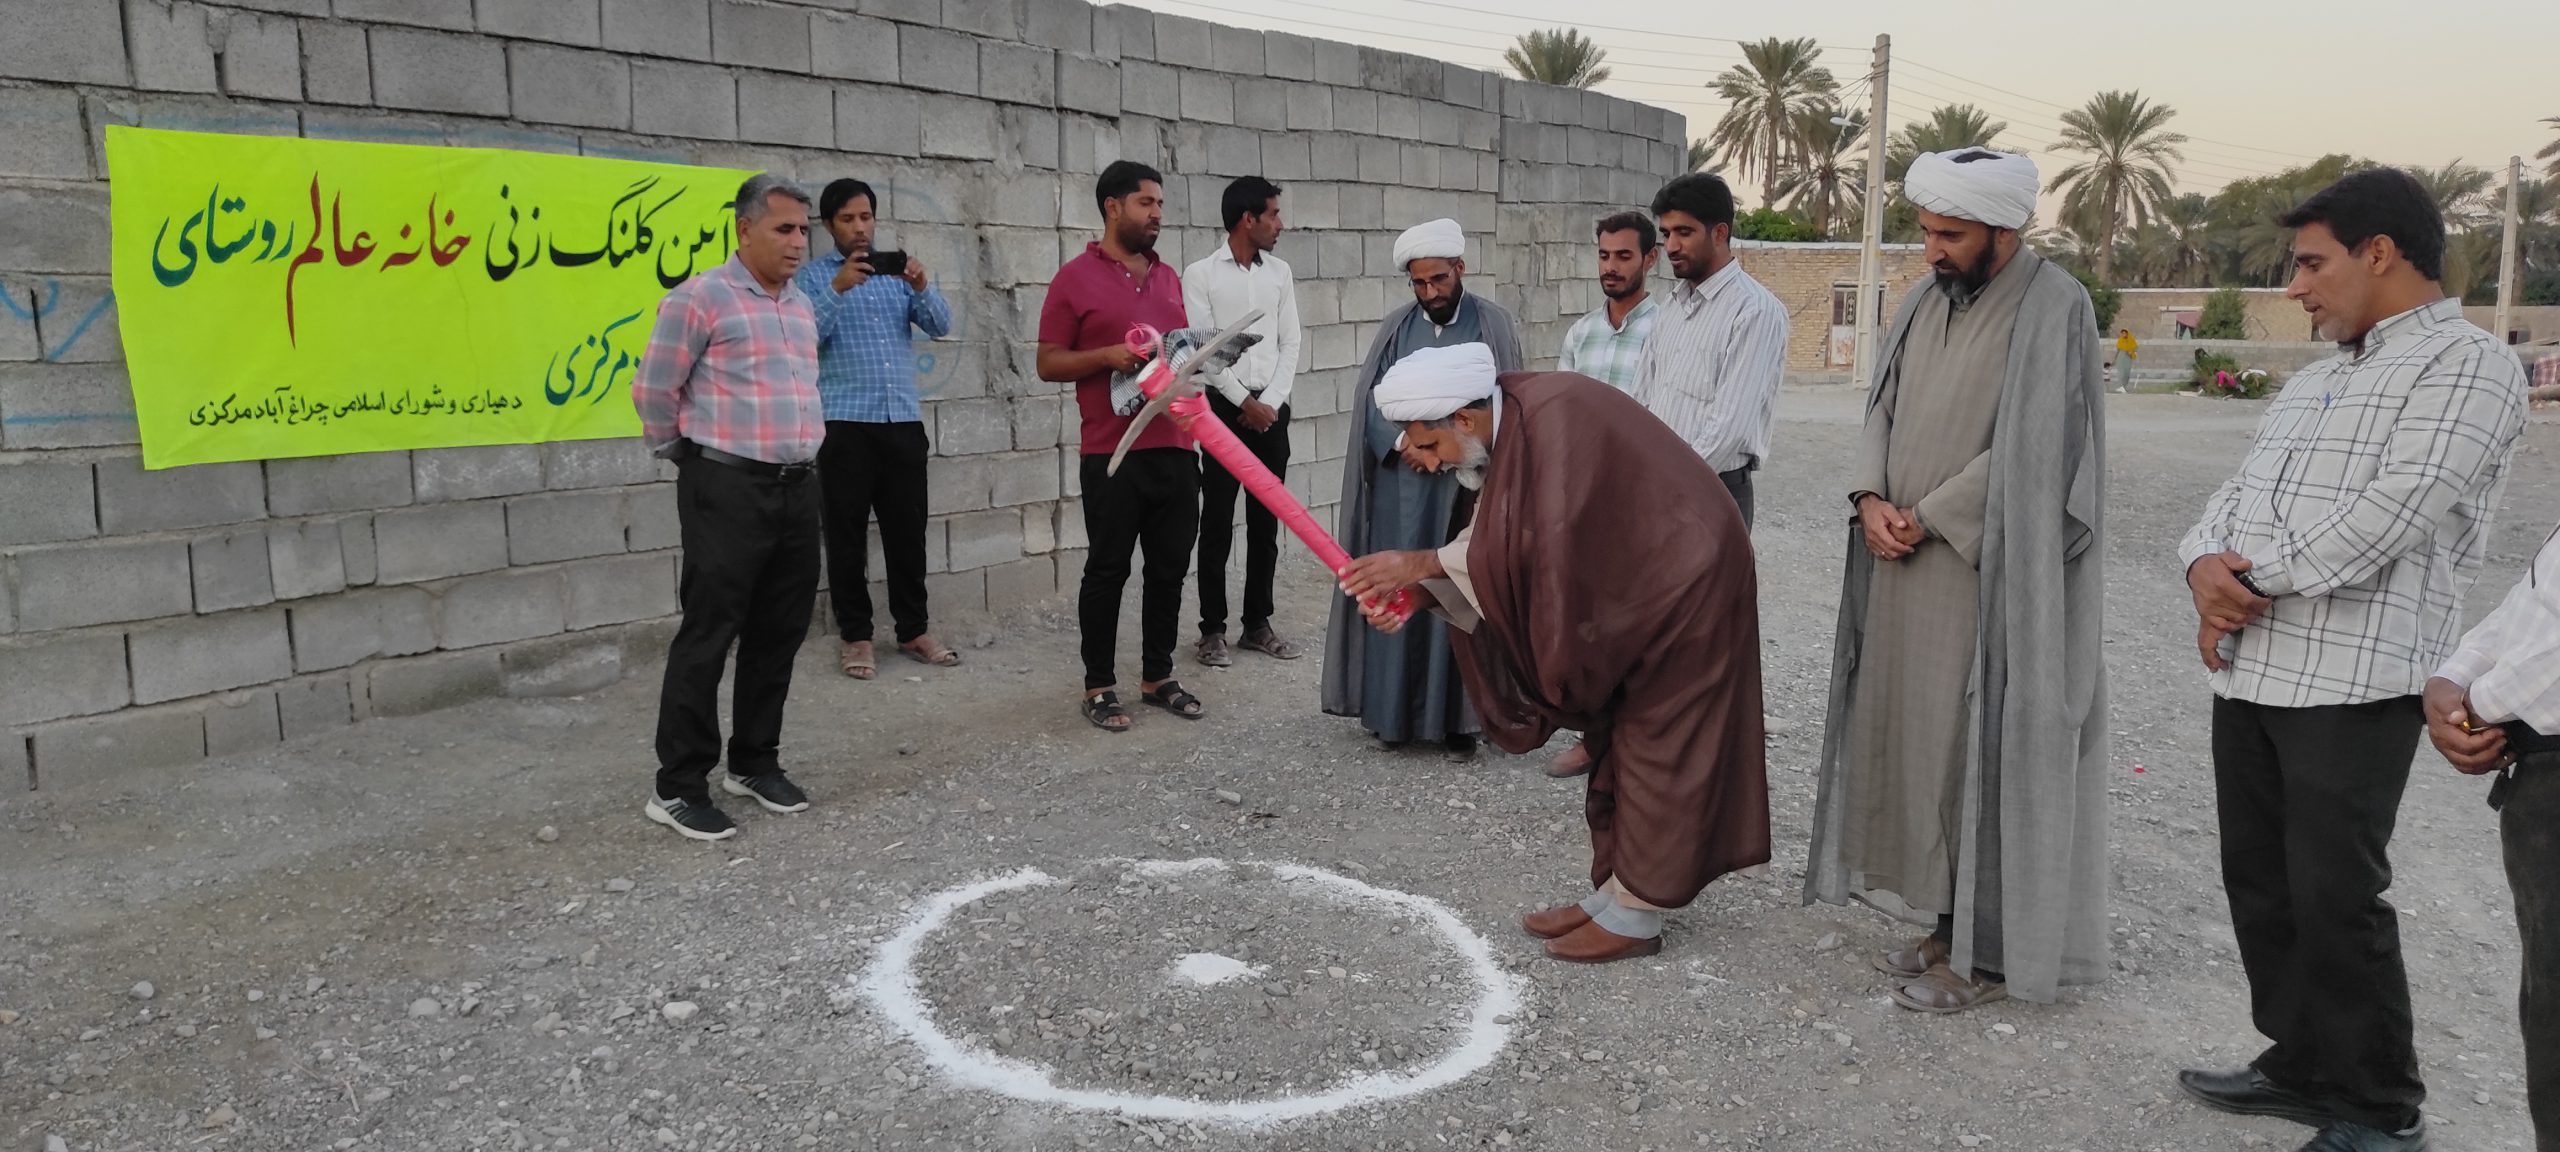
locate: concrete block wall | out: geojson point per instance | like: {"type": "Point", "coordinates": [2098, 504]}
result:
{"type": "Point", "coordinates": [167, 616]}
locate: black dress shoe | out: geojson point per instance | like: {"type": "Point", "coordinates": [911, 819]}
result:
{"type": "Point", "coordinates": [2247, 1092]}
{"type": "Point", "coordinates": [2343, 1136]}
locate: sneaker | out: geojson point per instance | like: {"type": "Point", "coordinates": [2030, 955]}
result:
{"type": "Point", "coordinates": [692, 820]}
{"type": "Point", "coordinates": [1461, 747]}
{"type": "Point", "coordinates": [772, 789]}
{"type": "Point", "coordinates": [2342, 1136]}
{"type": "Point", "coordinates": [1212, 650]}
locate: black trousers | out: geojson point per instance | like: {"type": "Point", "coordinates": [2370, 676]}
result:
{"type": "Point", "coordinates": [750, 578]}
{"type": "Point", "coordinates": [866, 470]}
{"type": "Point", "coordinates": [1153, 503]}
{"type": "Point", "coordinates": [2308, 798]}
{"type": "Point", "coordinates": [2529, 829]}
{"type": "Point", "coordinates": [1738, 482]}
{"type": "Point", "coordinates": [1218, 492]}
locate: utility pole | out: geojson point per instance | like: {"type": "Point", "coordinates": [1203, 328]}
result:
{"type": "Point", "coordinates": [2507, 250]}
{"type": "Point", "coordinates": [1871, 249]}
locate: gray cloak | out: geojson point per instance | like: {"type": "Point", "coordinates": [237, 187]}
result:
{"type": "Point", "coordinates": [2031, 862]}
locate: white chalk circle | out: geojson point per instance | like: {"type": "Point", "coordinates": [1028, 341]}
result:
{"type": "Point", "coordinates": [890, 985]}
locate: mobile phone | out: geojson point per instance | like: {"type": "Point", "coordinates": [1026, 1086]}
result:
{"type": "Point", "coordinates": [889, 263]}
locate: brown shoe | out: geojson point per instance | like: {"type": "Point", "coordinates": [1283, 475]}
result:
{"type": "Point", "coordinates": [1555, 921]}
{"type": "Point", "coordinates": [1912, 961]}
{"type": "Point", "coordinates": [1593, 944]}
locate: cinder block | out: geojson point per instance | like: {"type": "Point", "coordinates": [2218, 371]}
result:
{"type": "Point", "coordinates": [1028, 200]}
{"type": "Point", "coordinates": [1035, 423]}
{"type": "Point", "coordinates": [853, 48]}
{"type": "Point", "coordinates": [1310, 206]}
{"type": "Point", "coordinates": [304, 558]}
{"type": "Point", "coordinates": [477, 473]}
{"type": "Point", "coordinates": [313, 705]}
{"type": "Point", "coordinates": [597, 464]}
{"type": "Point", "coordinates": [1399, 117]}
{"type": "Point", "coordinates": [951, 593]}
{"type": "Point", "coordinates": [1150, 89]}
{"type": "Point", "coordinates": [620, 589]}
{"type": "Point", "coordinates": [1071, 533]}
{"type": "Point", "coordinates": [938, 61]}
{"type": "Point", "coordinates": [1022, 583]}
{"type": "Point", "coordinates": [1125, 31]}
{"type": "Point", "coordinates": [299, 487]}
{"type": "Point", "coordinates": [1024, 478]}
{"type": "Point", "coordinates": [337, 67]}
{"type": "Point", "coordinates": [1286, 158]}
{"type": "Point", "coordinates": [81, 328]}
{"type": "Point", "coordinates": [71, 751]}
{"type": "Point", "coordinates": [1262, 103]}
{"type": "Point", "coordinates": [1001, 19]}
{"type": "Point", "coordinates": [1183, 41]}
{"type": "Point", "coordinates": [453, 14]}
{"type": "Point", "coordinates": [1287, 57]}
{"type": "Point", "coordinates": [676, 28]}
{"type": "Point", "coordinates": [1338, 63]}
{"type": "Point", "coordinates": [204, 654]}
{"type": "Point", "coordinates": [499, 607]}
{"type": "Point", "coordinates": [72, 674]}
{"type": "Point", "coordinates": [559, 21]}
{"type": "Point", "coordinates": [1030, 140]}
{"type": "Point", "coordinates": [979, 539]}
{"type": "Point", "coordinates": [879, 121]}
{"type": "Point", "coordinates": [1234, 49]}
{"type": "Point", "coordinates": [1017, 73]}
{"type": "Point", "coordinates": [1355, 110]}
{"type": "Point", "coordinates": [1334, 156]}
{"type": "Point", "coordinates": [261, 58]}
{"type": "Point", "coordinates": [567, 86]}
{"type": "Point", "coordinates": [42, 501]}
{"type": "Point", "coordinates": [72, 41]}
{"type": "Point", "coordinates": [1232, 152]}
{"type": "Point", "coordinates": [231, 571]}
{"type": "Point", "coordinates": [1063, 25]}
{"type": "Point", "coordinates": [1039, 530]}
{"type": "Point", "coordinates": [968, 427]}
{"type": "Point", "coordinates": [54, 228]}
{"type": "Point", "coordinates": [958, 485]}
{"type": "Point", "coordinates": [438, 541]}
{"type": "Point", "coordinates": [426, 683]}
{"type": "Point", "coordinates": [76, 585]}
{"type": "Point", "coordinates": [40, 134]}
{"type": "Point", "coordinates": [564, 526]}
{"type": "Point", "coordinates": [760, 35]}
{"type": "Point", "coordinates": [1209, 97]}
{"type": "Point", "coordinates": [651, 513]}
{"type": "Point", "coordinates": [436, 72]}
{"type": "Point", "coordinates": [1091, 84]}
{"type": "Point", "coordinates": [172, 49]}
{"type": "Point", "coordinates": [1381, 162]}
{"type": "Point", "coordinates": [786, 110]}
{"type": "Point", "coordinates": [959, 127]}
{"type": "Point", "coordinates": [902, 11]}
{"type": "Point", "coordinates": [336, 631]}
{"type": "Point", "coordinates": [565, 666]}
{"type": "Point", "coordinates": [355, 536]}
{"type": "Point", "coordinates": [690, 100]}
{"type": "Point", "coordinates": [238, 722]}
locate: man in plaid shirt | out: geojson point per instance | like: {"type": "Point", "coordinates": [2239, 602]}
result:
{"type": "Point", "coordinates": [729, 390]}
{"type": "Point", "coordinates": [2328, 579]}
{"type": "Point", "coordinates": [1607, 344]}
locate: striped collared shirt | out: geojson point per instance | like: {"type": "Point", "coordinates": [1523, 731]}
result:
{"type": "Point", "coordinates": [866, 362]}
{"type": "Point", "coordinates": [2509, 663]}
{"type": "Point", "coordinates": [2363, 507]}
{"type": "Point", "coordinates": [1712, 365]}
{"type": "Point", "coordinates": [732, 367]}
{"type": "Point", "coordinates": [1612, 356]}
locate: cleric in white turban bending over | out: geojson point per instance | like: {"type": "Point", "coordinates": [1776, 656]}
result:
{"type": "Point", "coordinates": [1963, 772]}
{"type": "Point", "coordinates": [1605, 585]}
{"type": "Point", "coordinates": [1404, 688]}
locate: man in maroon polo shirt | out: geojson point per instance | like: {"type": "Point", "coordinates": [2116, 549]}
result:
{"type": "Point", "coordinates": [1154, 501]}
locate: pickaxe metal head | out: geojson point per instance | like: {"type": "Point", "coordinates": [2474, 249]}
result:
{"type": "Point", "coordinates": [1186, 380]}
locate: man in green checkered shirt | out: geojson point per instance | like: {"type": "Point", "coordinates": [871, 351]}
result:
{"type": "Point", "coordinates": [1607, 345]}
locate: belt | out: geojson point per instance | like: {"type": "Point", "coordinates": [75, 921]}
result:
{"type": "Point", "coordinates": [2524, 741]}
{"type": "Point", "coordinates": [786, 473]}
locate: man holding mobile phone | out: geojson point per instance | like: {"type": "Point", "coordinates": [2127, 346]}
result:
{"type": "Point", "coordinates": [873, 462]}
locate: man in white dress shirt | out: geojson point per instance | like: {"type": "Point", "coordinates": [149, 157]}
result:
{"type": "Point", "coordinates": [1253, 398]}
{"type": "Point", "coordinates": [2493, 708]}
{"type": "Point", "coordinates": [1719, 343]}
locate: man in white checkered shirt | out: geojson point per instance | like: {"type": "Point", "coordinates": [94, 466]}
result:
{"type": "Point", "coordinates": [2328, 579]}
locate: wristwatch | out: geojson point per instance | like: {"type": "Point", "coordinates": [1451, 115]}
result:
{"type": "Point", "coordinates": [2251, 585]}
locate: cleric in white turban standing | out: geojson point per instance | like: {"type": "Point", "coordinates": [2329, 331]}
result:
{"type": "Point", "coordinates": [1963, 765]}
{"type": "Point", "coordinates": [1405, 687]}
{"type": "Point", "coordinates": [1605, 585]}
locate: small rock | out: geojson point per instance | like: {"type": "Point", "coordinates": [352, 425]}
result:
{"type": "Point", "coordinates": [221, 1117]}
{"type": "Point", "coordinates": [1852, 1080]}
{"type": "Point", "coordinates": [621, 1012]}
{"type": "Point", "coordinates": [907, 749]}
{"type": "Point", "coordinates": [93, 1034]}
{"type": "Point", "coordinates": [7, 1017]}
{"type": "Point", "coordinates": [1342, 974]}
{"type": "Point", "coordinates": [424, 1007]}
{"type": "Point", "coordinates": [550, 1022]}
{"type": "Point", "coordinates": [2479, 1097]}
{"type": "Point", "coordinates": [1229, 799]}
{"type": "Point", "coordinates": [186, 1031]}
{"type": "Point", "coordinates": [256, 996]}
{"type": "Point", "coordinates": [1276, 988]}
{"type": "Point", "coordinates": [312, 986]}
{"type": "Point", "coordinates": [377, 1096]}
{"type": "Point", "coordinates": [144, 991]}
{"type": "Point", "coordinates": [667, 1137]}
{"type": "Point", "coordinates": [1631, 1105]}
{"type": "Point", "coordinates": [1971, 1141]}
{"type": "Point", "coordinates": [548, 835]}
{"type": "Point", "coordinates": [2005, 1029]}
{"type": "Point", "coordinates": [55, 1144]}
{"type": "Point", "coordinates": [587, 959]}
{"type": "Point", "coordinates": [679, 1011]}
{"type": "Point", "coordinates": [617, 884]}
{"type": "Point", "coordinates": [1829, 941]}
{"type": "Point", "coordinates": [266, 1033]}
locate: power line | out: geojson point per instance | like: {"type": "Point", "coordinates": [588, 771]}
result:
{"type": "Point", "coordinates": [2067, 108]}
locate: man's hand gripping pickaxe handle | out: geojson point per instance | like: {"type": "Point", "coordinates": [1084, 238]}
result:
{"type": "Point", "coordinates": [1178, 393]}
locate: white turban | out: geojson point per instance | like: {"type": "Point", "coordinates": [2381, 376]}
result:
{"type": "Point", "coordinates": [1994, 188]}
{"type": "Point", "coordinates": [1437, 240]}
{"type": "Point", "coordinates": [1432, 383]}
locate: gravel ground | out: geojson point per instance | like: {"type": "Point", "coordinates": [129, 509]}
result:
{"type": "Point", "coordinates": [369, 941]}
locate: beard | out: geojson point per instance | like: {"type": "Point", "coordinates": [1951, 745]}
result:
{"type": "Point", "coordinates": [1135, 237]}
{"type": "Point", "coordinates": [1969, 280]}
{"type": "Point", "coordinates": [1472, 467]}
{"type": "Point", "coordinates": [1449, 311]}
{"type": "Point", "coordinates": [1624, 288]}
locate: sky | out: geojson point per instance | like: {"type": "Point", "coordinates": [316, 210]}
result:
{"type": "Point", "coordinates": [2259, 85]}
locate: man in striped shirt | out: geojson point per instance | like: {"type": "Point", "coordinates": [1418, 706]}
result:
{"type": "Point", "coordinates": [1607, 344]}
{"type": "Point", "coordinates": [1718, 349]}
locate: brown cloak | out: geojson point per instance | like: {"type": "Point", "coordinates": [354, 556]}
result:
{"type": "Point", "coordinates": [1620, 599]}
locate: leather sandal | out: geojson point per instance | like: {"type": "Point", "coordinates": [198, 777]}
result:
{"type": "Point", "coordinates": [854, 658]}
{"type": "Point", "coordinates": [927, 650]}
{"type": "Point", "coordinates": [1912, 961]}
{"type": "Point", "coordinates": [1103, 710]}
{"type": "Point", "coordinates": [1171, 697]}
{"type": "Point", "coordinates": [1940, 992]}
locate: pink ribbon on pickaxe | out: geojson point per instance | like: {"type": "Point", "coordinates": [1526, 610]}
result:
{"type": "Point", "coordinates": [1176, 392]}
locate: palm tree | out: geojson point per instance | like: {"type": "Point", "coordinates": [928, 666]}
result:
{"type": "Point", "coordinates": [1822, 182]}
{"type": "Point", "coordinates": [1563, 57]}
{"type": "Point", "coordinates": [1701, 154]}
{"type": "Point", "coordinates": [1950, 127]}
{"type": "Point", "coordinates": [1777, 79]}
{"type": "Point", "coordinates": [2461, 193]}
{"type": "Point", "coordinates": [2471, 261]}
{"type": "Point", "coordinates": [2172, 250]}
{"type": "Point", "coordinates": [2128, 173]}
{"type": "Point", "coordinates": [2551, 151]}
